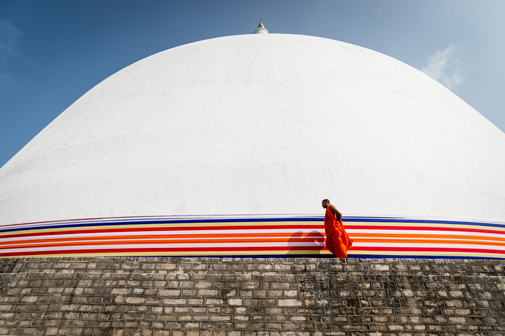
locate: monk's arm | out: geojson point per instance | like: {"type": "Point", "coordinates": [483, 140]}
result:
{"type": "Point", "coordinates": [337, 214]}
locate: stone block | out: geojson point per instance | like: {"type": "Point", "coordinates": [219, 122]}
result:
{"type": "Point", "coordinates": [289, 303]}
{"type": "Point", "coordinates": [161, 333]}
{"type": "Point", "coordinates": [208, 292]}
{"type": "Point", "coordinates": [235, 302]}
{"type": "Point", "coordinates": [169, 292]}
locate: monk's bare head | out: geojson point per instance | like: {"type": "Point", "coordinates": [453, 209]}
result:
{"type": "Point", "coordinates": [326, 203]}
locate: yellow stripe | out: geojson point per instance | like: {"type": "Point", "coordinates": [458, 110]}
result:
{"type": "Point", "coordinates": [430, 253]}
{"type": "Point", "coordinates": [175, 254]}
{"type": "Point", "coordinates": [434, 225]}
{"type": "Point", "coordinates": [173, 225]}
{"type": "Point", "coordinates": [246, 253]}
{"type": "Point", "coordinates": [317, 224]}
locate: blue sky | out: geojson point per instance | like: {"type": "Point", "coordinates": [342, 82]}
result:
{"type": "Point", "coordinates": [52, 52]}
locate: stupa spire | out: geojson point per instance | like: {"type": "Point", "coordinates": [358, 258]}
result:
{"type": "Point", "coordinates": [261, 29]}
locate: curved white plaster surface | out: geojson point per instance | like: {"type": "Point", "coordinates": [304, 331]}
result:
{"type": "Point", "coordinates": [261, 124]}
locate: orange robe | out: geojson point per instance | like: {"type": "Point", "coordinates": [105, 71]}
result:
{"type": "Point", "coordinates": [337, 240]}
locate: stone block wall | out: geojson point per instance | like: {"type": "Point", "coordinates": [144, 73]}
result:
{"type": "Point", "coordinates": [251, 296]}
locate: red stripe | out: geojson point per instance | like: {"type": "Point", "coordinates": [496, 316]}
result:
{"type": "Point", "coordinates": [420, 228]}
{"type": "Point", "coordinates": [249, 227]}
{"type": "Point", "coordinates": [266, 249]}
{"type": "Point", "coordinates": [269, 227]}
{"type": "Point", "coordinates": [179, 249]}
{"type": "Point", "coordinates": [424, 249]}
{"type": "Point", "coordinates": [179, 228]}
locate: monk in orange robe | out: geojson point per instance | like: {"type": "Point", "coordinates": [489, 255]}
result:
{"type": "Point", "coordinates": [337, 240]}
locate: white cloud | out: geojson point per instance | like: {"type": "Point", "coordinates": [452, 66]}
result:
{"type": "Point", "coordinates": [8, 38]}
{"type": "Point", "coordinates": [445, 68]}
{"type": "Point", "coordinates": [7, 85]}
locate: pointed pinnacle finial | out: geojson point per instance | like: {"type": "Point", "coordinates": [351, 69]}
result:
{"type": "Point", "coordinates": [261, 29]}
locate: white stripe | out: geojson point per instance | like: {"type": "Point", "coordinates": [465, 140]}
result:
{"type": "Point", "coordinates": [263, 245]}
{"type": "Point", "coordinates": [289, 217]}
{"type": "Point", "coordinates": [427, 232]}
{"type": "Point", "coordinates": [467, 246]}
{"type": "Point", "coordinates": [151, 239]}
{"type": "Point", "coordinates": [168, 246]}
{"type": "Point", "coordinates": [469, 239]}
{"type": "Point", "coordinates": [148, 233]}
{"type": "Point", "coordinates": [125, 241]}
{"type": "Point", "coordinates": [353, 233]}
{"type": "Point", "coordinates": [171, 219]}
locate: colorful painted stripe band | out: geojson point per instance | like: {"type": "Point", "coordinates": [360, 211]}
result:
{"type": "Point", "coordinates": [252, 236]}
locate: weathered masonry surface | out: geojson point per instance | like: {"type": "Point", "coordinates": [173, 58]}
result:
{"type": "Point", "coordinates": [251, 296]}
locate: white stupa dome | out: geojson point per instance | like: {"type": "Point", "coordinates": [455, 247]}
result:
{"type": "Point", "coordinates": [261, 124]}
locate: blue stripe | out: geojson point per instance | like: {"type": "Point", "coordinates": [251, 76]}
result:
{"type": "Point", "coordinates": [425, 221]}
{"type": "Point", "coordinates": [318, 256]}
{"type": "Point", "coordinates": [245, 220]}
{"type": "Point", "coordinates": [167, 221]}
{"type": "Point", "coordinates": [380, 256]}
